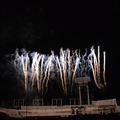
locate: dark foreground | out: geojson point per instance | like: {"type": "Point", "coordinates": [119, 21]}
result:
{"type": "Point", "coordinates": [86, 117]}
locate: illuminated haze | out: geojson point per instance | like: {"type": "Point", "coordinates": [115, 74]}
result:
{"type": "Point", "coordinates": [37, 69]}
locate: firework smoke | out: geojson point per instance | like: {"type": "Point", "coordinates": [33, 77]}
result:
{"type": "Point", "coordinates": [37, 68]}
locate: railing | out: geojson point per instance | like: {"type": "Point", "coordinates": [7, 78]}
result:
{"type": "Point", "coordinates": [17, 103]}
{"type": "Point", "coordinates": [47, 102]}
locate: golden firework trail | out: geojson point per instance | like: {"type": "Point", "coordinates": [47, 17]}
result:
{"type": "Point", "coordinates": [36, 68]}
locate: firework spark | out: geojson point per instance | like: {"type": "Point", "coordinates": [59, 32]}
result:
{"type": "Point", "coordinates": [36, 68]}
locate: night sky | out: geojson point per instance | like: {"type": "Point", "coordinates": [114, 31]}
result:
{"type": "Point", "coordinates": [67, 25]}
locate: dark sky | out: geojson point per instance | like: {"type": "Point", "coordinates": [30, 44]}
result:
{"type": "Point", "coordinates": [68, 25]}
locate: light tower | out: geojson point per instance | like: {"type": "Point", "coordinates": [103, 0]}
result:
{"type": "Point", "coordinates": [83, 81]}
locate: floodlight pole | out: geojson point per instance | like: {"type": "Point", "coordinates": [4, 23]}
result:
{"type": "Point", "coordinates": [88, 95]}
{"type": "Point", "coordinates": [80, 100]}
